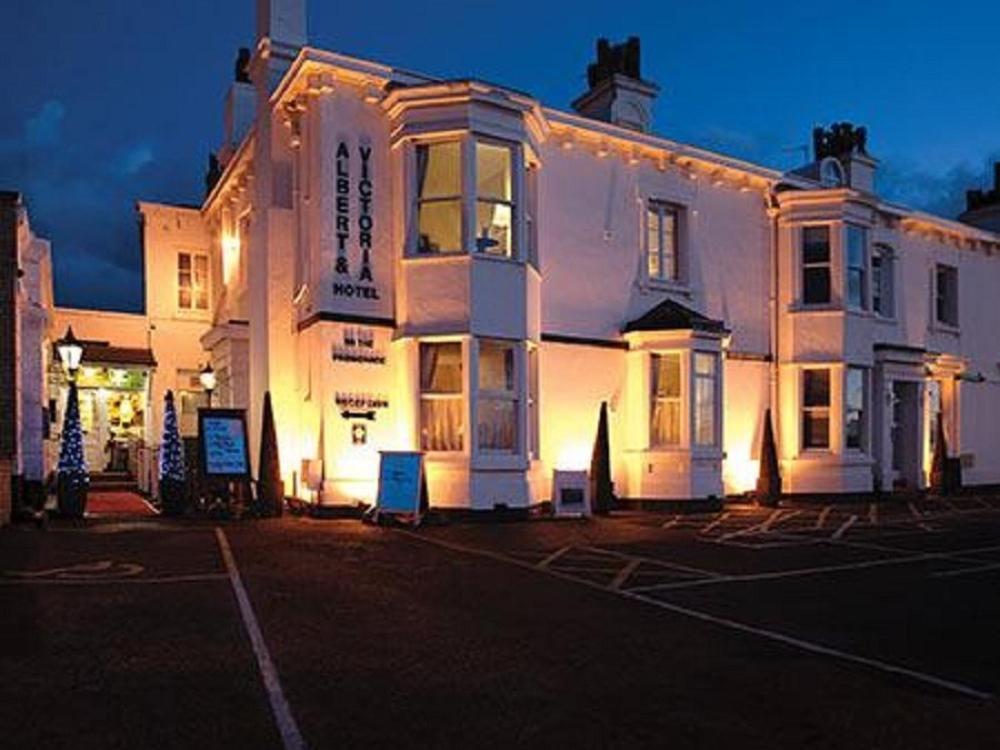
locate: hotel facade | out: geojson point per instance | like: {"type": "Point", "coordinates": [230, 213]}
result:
{"type": "Point", "coordinates": [449, 266]}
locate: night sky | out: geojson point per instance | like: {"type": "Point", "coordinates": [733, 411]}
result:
{"type": "Point", "coordinates": [109, 101]}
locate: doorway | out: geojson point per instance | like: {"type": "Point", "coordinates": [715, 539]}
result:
{"type": "Point", "coordinates": [905, 441]}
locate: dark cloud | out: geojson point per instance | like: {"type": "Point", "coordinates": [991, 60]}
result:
{"type": "Point", "coordinates": [904, 181]}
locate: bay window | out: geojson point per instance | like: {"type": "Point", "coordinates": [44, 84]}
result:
{"type": "Point", "coordinates": [441, 403]}
{"type": "Point", "coordinates": [497, 401]}
{"type": "Point", "coordinates": [705, 389]}
{"type": "Point", "coordinates": [854, 409]}
{"type": "Point", "coordinates": [665, 414]}
{"type": "Point", "coordinates": [661, 241]}
{"type": "Point", "coordinates": [816, 265]}
{"type": "Point", "coordinates": [442, 195]}
{"type": "Point", "coordinates": [815, 409]}
{"type": "Point", "coordinates": [857, 274]}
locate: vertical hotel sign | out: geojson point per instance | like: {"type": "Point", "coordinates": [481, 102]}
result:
{"type": "Point", "coordinates": [362, 192]}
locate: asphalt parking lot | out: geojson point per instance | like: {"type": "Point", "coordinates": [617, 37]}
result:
{"type": "Point", "coordinates": [807, 625]}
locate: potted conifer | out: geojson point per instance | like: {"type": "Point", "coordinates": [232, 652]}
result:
{"type": "Point", "coordinates": [73, 479]}
{"type": "Point", "coordinates": [172, 474]}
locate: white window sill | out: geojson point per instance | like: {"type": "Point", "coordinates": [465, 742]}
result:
{"type": "Point", "coordinates": [826, 307]}
{"type": "Point", "coordinates": [938, 327]}
{"type": "Point", "coordinates": [885, 319]}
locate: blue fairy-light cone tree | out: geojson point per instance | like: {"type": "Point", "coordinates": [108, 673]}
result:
{"type": "Point", "coordinates": [172, 473]}
{"type": "Point", "coordinates": [73, 477]}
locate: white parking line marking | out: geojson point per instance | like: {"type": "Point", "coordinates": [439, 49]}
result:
{"type": "Point", "coordinates": [654, 561]}
{"type": "Point", "coordinates": [623, 574]}
{"type": "Point", "coordinates": [967, 571]}
{"type": "Point", "coordinates": [722, 517]}
{"type": "Point", "coordinates": [289, 730]}
{"type": "Point", "coordinates": [796, 573]}
{"type": "Point", "coordinates": [672, 522]}
{"type": "Point", "coordinates": [844, 527]}
{"type": "Point", "coordinates": [553, 557]}
{"type": "Point", "coordinates": [822, 517]}
{"type": "Point", "coordinates": [803, 645]}
{"type": "Point", "coordinates": [113, 581]}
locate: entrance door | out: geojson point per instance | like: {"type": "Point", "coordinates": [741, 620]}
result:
{"type": "Point", "coordinates": [92, 420]}
{"type": "Point", "coordinates": [905, 435]}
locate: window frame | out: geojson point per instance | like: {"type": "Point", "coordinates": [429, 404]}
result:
{"type": "Point", "coordinates": [433, 395]}
{"type": "Point", "coordinates": [861, 270]}
{"type": "Point", "coordinates": [952, 271]}
{"type": "Point", "coordinates": [655, 398]}
{"type": "Point", "coordinates": [661, 208]}
{"type": "Point", "coordinates": [862, 412]}
{"type": "Point", "coordinates": [884, 281]}
{"type": "Point", "coordinates": [715, 380]}
{"type": "Point", "coordinates": [468, 198]}
{"type": "Point", "coordinates": [511, 396]}
{"type": "Point", "coordinates": [192, 308]}
{"type": "Point", "coordinates": [806, 265]}
{"type": "Point", "coordinates": [807, 410]}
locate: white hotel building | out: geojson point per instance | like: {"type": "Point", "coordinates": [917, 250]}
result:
{"type": "Point", "coordinates": [413, 263]}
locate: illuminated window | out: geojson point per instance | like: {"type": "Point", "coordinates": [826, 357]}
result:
{"type": "Point", "coordinates": [665, 416]}
{"type": "Point", "coordinates": [854, 409]}
{"type": "Point", "coordinates": [439, 197]}
{"type": "Point", "coordinates": [816, 265]}
{"type": "Point", "coordinates": [946, 295]}
{"type": "Point", "coordinates": [497, 423]}
{"type": "Point", "coordinates": [705, 388]}
{"type": "Point", "coordinates": [882, 281]}
{"type": "Point", "coordinates": [192, 281]}
{"type": "Point", "coordinates": [494, 200]}
{"type": "Point", "coordinates": [441, 406]}
{"type": "Point", "coordinates": [857, 274]}
{"type": "Point", "coordinates": [815, 409]}
{"type": "Point", "coordinates": [661, 241]}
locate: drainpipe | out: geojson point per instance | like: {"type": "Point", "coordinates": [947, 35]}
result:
{"type": "Point", "coordinates": [773, 212]}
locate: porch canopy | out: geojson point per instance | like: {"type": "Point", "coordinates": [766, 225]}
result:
{"type": "Point", "coordinates": [103, 353]}
{"type": "Point", "coordinates": [673, 316]}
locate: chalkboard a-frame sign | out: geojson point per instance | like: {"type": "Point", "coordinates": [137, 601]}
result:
{"type": "Point", "coordinates": [222, 444]}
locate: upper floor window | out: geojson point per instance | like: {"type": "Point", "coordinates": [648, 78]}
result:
{"type": "Point", "coordinates": [494, 200]}
{"type": "Point", "coordinates": [816, 265]}
{"type": "Point", "coordinates": [192, 281]}
{"type": "Point", "coordinates": [661, 241]}
{"type": "Point", "coordinates": [815, 408]}
{"type": "Point", "coordinates": [665, 416]}
{"type": "Point", "coordinates": [441, 197]}
{"type": "Point", "coordinates": [946, 295]}
{"type": "Point", "coordinates": [857, 265]}
{"type": "Point", "coordinates": [498, 402]}
{"type": "Point", "coordinates": [442, 424]}
{"type": "Point", "coordinates": [882, 281]}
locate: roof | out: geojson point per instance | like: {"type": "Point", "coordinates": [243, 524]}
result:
{"type": "Point", "coordinates": [102, 353]}
{"type": "Point", "coordinates": [673, 316]}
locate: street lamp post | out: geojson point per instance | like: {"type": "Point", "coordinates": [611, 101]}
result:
{"type": "Point", "coordinates": [208, 381]}
{"type": "Point", "coordinates": [70, 353]}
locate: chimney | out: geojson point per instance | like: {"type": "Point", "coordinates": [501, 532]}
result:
{"type": "Point", "coordinates": [842, 158]}
{"type": "Point", "coordinates": [281, 28]}
{"type": "Point", "coordinates": [239, 108]}
{"type": "Point", "coordinates": [982, 207]}
{"type": "Point", "coordinates": [617, 92]}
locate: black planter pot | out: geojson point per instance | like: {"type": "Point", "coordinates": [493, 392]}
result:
{"type": "Point", "coordinates": [71, 492]}
{"type": "Point", "coordinates": [173, 497]}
